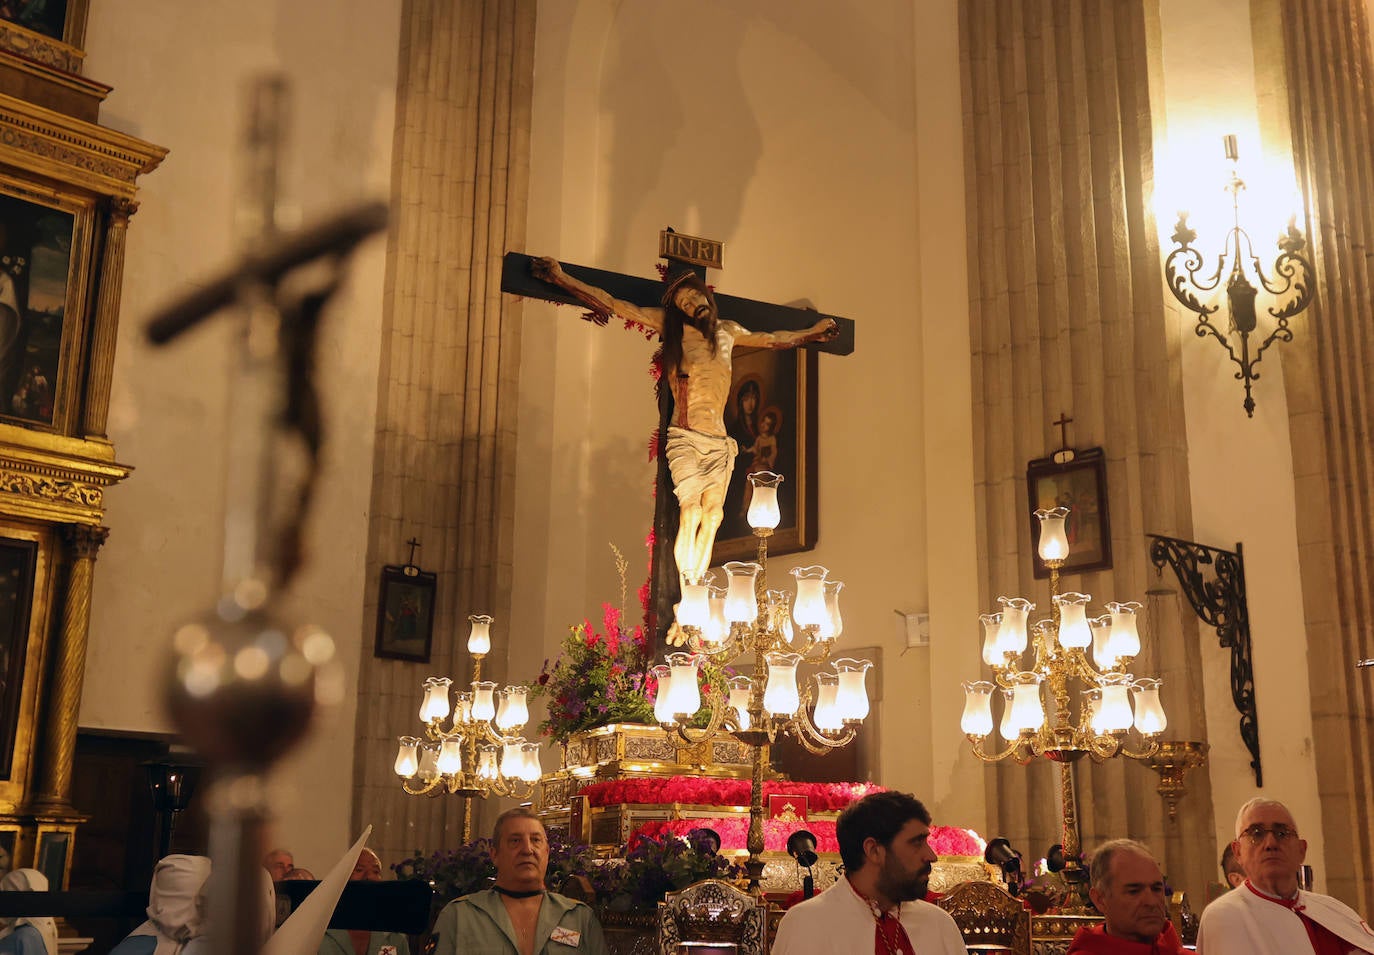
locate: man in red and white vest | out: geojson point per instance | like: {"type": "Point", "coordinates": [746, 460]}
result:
{"type": "Point", "coordinates": [877, 905]}
{"type": "Point", "coordinates": [1268, 914]}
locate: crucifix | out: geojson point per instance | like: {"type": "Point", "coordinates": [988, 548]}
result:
{"type": "Point", "coordinates": [698, 331]}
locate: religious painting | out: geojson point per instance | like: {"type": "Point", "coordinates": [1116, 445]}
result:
{"type": "Point", "coordinates": [18, 558]}
{"type": "Point", "coordinates": [405, 614]}
{"type": "Point", "coordinates": [43, 239]}
{"type": "Point", "coordinates": [771, 414]}
{"type": "Point", "coordinates": [1080, 485]}
{"type": "Point", "coordinates": [48, 17]}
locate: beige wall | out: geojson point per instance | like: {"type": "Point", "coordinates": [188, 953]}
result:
{"type": "Point", "coordinates": [820, 142]}
{"type": "Point", "coordinates": [1242, 468]}
{"type": "Point", "coordinates": [178, 72]}
{"type": "Point", "coordinates": [790, 133]}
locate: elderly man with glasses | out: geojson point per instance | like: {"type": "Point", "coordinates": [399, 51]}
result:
{"type": "Point", "coordinates": [1268, 914]}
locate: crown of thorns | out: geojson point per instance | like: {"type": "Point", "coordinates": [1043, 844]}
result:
{"type": "Point", "coordinates": [672, 282]}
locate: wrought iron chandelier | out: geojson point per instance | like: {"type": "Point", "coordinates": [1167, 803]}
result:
{"type": "Point", "coordinates": [1061, 646]}
{"type": "Point", "coordinates": [746, 621]}
{"type": "Point", "coordinates": [1291, 283]}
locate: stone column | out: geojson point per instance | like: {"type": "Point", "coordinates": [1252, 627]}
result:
{"type": "Point", "coordinates": [1067, 315]}
{"type": "Point", "coordinates": [1327, 114]}
{"type": "Point", "coordinates": [63, 704]}
{"type": "Point", "coordinates": [443, 467]}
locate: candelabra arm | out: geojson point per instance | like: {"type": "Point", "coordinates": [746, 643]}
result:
{"type": "Point", "coordinates": [804, 731]}
{"type": "Point", "coordinates": [1018, 748]}
{"type": "Point", "coordinates": [425, 788]}
{"type": "Point", "coordinates": [1219, 602]}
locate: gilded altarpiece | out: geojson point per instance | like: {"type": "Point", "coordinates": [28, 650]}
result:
{"type": "Point", "coordinates": [67, 188]}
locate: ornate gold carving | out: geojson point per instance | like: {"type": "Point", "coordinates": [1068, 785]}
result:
{"type": "Point", "coordinates": [74, 151]}
{"type": "Point", "coordinates": [989, 918]}
{"type": "Point", "coordinates": [40, 49]}
{"type": "Point", "coordinates": [85, 540]}
{"type": "Point", "coordinates": [47, 488]}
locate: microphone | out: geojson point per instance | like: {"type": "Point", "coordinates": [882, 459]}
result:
{"type": "Point", "coordinates": [333, 236]}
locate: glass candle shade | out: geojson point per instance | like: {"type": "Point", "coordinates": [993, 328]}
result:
{"type": "Point", "coordinates": [450, 761]}
{"type": "Point", "coordinates": [780, 694]}
{"type": "Point", "coordinates": [808, 610]}
{"type": "Point", "coordinates": [1027, 712]}
{"type": "Point", "coordinates": [694, 609]}
{"type": "Point", "coordinates": [1054, 542]}
{"type": "Point", "coordinates": [479, 636]}
{"type": "Point", "coordinates": [740, 689]}
{"type": "Point", "coordinates": [486, 763]}
{"type": "Point", "coordinates": [1149, 711]}
{"type": "Point", "coordinates": [741, 603]}
{"type": "Point", "coordinates": [853, 694]}
{"type": "Point", "coordinates": [684, 695]}
{"type": "Point", "coordinates": [663, 678]}
{"type": "Point", "coordinates": [834, 623]}
{"type": "Point", "coordinates": [1102, 640]}
{"type": "Point", "coordinates": [1005, 728]}
{"type": "Point", "coordinates": [992, 624]}
{"type": "Point", "coordinates": [532, 770]}
{"type": "Point", "coordinates": [779, 604]}
{"type": "Point", "coordinates": [718, 626]}
{"type": "Point", "coordinates": [826, 714]}
{"type": "Point", "coordinates": [434, 703]}
{"type": "Point", "coordinates": [483, 700]}
{"type": "Point", "coordinates": [515, 711]}
{"type": "Point", "coordinates": [1012, 636]}
{"type": "Point", "coordinates": [512, 759]}
{"type": "Point", "coordinates": [462, 707]}
{"type": "Point", "coordinates": [1115, 714]}
{"type": "Point", "coordinates": [763, 500]}
{"type": "Point", "coordinates": [407, 760]}
{"type": "Point", "coordinates": [1074, 632]}
{"type": "Point", "coordinates": [429, 763]}
{"type": "Point", "coordinates": [1125, 641]}
{"type": "Point", "coordinates": [502, 705]}
{"type": "Point", "coordinates": [977, 718]}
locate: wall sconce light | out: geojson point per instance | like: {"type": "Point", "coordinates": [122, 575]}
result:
{"type": "Point", "coordinates": [1291, 284]}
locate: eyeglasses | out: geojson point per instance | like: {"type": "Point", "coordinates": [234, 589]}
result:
{"type": "Point", "coordinates": [1256, 834]}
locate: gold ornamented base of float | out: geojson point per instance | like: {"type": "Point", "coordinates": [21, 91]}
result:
{"type": "Point", "coordinates": [630, 750]}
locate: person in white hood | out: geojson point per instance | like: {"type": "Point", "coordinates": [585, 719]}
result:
{"type": "Point", "coordinates": [27, 936]}
{"type": "Point", "coordinates": [176, 909]}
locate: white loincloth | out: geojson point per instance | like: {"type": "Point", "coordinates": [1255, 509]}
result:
{"type": "Point", "coordinates": [699, 462]}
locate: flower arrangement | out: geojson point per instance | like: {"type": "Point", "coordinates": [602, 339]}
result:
{"type": "Point", "coordinates": [704, 791]}
{"type": "Point", "coordinates": [469, 868]}
{"type": "Point", "coordinates": [658, 864]}
{"type": "Point", "coordinates": [602, 676]}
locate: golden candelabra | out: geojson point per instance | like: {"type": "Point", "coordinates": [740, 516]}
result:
{"type": "Point", "coordinates": [1172, 761]}
{"type": "Point", "coordinates": [745, 621]}
{"type": "Point", "coordinates": [1061, 644]}
{"type": "Point", "coordinates": [481, 752]}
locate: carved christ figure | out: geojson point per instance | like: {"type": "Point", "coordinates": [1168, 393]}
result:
{"type": "Point", "coordinates": [697, 346]}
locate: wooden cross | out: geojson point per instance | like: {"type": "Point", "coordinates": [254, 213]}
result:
{"type": "Point", "coordinates": [1065, 454]}
{"type": "Point", "coordinates": [517, 279]}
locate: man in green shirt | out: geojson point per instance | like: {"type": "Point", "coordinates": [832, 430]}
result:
{"type": "Point", "coordinates": [517, 915]}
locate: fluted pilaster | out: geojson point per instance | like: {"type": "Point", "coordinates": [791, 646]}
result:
{"type": "Point", "coordinates": [444, 460]}
{"type": "Point", "coordinates": [1067, 315]}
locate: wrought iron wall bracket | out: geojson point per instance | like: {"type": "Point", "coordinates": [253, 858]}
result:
{"type": "Point", "coordinates": [1213, 580]}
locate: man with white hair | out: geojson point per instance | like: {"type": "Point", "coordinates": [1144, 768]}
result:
{"type": "Point", "coordinates": [1268, 914]}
